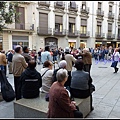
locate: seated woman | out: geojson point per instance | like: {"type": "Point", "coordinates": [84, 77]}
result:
{"type": "Point", "coordinates": [47, 74]}
{"type": "Point", "coordinates": [60, 105]}
{"type": "Point", "coordinates": [80, 82]}
{"type": "Point", "coordinates": [30, 81]}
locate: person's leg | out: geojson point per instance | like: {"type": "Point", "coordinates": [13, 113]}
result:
{"type": "Point", "coordinates": [5, 68]}
{"type": "Point", "coordinates": [10, 67]}
{"type": "Point", "coordinates": [78, 114]}
{"type": "Point", "coordinates": [17, 85]}
{"type": "Point", "coordinates": [68, 82]}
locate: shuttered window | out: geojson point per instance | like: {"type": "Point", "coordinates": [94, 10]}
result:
{"type": "Point", "coordinates": [118, 26]}
{"type": "Point", "coordinates": [21, 18]}
{"type": "Point", "coordinates": [58, 19]}
{"type": "Point", "coordinates": [71, 20]}
{"type": "Point", "coordinates": [109, 27]}
{"type": "Point", "coordinates": [83, 22]}
{"type": "Point", "coordinates": [99, 5]}
{"type": "Point", "coordinates": [110, 8]}
{"type": "Point", "coordinates": [43, 21]}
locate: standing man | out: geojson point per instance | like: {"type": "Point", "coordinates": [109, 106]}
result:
{"type": "Point", "coordinates": [70, 60]}
{"type": "Point", "coordinates": [87, 59]}
{"type": "Point", "coordinates": [39, 56]}
{"type": "Point", "coordinates": [26, 54]}
{"type": "Point", "coordinates": [3, 62]}
{"type": "Point", "coordinates": [18, 64]}
{"type": "Point", "coordinates": [46, 55]}
{"type": "Point", "coordinates": [10, 56]}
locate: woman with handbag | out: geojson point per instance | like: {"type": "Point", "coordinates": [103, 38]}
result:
{"type": "Point", "coordinates": [115, 57]}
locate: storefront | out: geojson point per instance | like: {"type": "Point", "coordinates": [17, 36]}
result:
{"type": "Point", "coordinates": [20, 40]}
{"type": "Point", "coordinates": [72, 43]}
{"type": "Point", "coordinates": [83, 44]}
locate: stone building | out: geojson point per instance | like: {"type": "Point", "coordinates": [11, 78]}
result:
{"type": "Point", "coordinates": [60, 24]}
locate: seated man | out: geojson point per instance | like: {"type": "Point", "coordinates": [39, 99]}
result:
{"type": "Point", "coordinates": [30, 81]}
{"type": "Point", "coordinates": [80, 82]}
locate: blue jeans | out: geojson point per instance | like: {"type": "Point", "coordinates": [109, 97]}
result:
{"type": "Point", "coordinates": [2, 67]}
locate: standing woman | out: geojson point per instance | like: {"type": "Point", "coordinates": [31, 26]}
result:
{"type": "Point", "coordinates": [115, 56]}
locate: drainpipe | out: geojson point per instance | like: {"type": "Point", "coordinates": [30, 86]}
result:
{"type": "Point", "coordinates": [92, 18]}
{"type": "Point", "coordinates": [115, 18]}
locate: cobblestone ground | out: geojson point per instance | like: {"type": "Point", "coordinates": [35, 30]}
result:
{"type": "Point", "coordinates": [106, 98]}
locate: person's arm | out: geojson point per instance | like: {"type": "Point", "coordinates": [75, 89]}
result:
{"type": "Point", "coordinates": [65, 103]}
{"type": "Point", "coordinates": [73, 59]}
{"type": "Point", "coordinates": [4, 59]}
{"type": "Point", "coordinates": [40, 80]}
{"type": "Point", "coordinates": [24, 62]}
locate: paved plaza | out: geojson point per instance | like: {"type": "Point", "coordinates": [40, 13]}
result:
{"type": "Point", "coordinates": [106, 98]}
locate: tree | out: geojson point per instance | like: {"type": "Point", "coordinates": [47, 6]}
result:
{"type": "Point", "coordinates": [7, 13]}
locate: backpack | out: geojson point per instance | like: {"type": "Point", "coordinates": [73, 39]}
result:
{"type": "Point", "coordinates": [7, 91]}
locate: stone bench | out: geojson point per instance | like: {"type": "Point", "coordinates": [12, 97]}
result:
{"type": "Point", "coordinates": [38, 107]}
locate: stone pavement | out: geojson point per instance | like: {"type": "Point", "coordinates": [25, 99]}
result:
{"type": "Point", "coordinates": [106, 98]}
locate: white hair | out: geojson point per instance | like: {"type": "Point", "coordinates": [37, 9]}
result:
{"type": "Point", "coordinates": [62, 64]}
{"type": "Point", "coordinates": [61, 75]}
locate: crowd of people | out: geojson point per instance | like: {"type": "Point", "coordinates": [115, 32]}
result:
{"type": "Point", "coordinates": [60, 85]}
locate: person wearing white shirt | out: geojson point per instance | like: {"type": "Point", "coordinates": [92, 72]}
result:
{"type": "Point", "coordinates": [116, 57]}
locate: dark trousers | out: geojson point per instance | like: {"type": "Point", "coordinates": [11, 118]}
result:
{"type": "Point", "coordinates": [87, 68]}
{"type": "Point", "coordinates": [77, 113]}
{"type": "Point", "coordinates": [17, 85]}
{"type": "Point", "coordinates": [68, 82]}
{"type": "Point", "coordinates": [115, 67]}
{"type": "Point", "coordinates": [5, 68]}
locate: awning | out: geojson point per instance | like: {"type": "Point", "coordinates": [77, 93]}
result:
{"type": "Point", "coordinates": [71, 40]}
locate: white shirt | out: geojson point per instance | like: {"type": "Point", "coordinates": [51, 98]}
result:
{"type": "Point", "coordinates": [116, 56]}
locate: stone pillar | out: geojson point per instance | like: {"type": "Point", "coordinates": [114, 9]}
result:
{"type": "Point", "coordinates": [5, 41]}
{"type": "Point", "coordinates": [30, 42]}
{"type": "Point", "coordinates": [10, 41]}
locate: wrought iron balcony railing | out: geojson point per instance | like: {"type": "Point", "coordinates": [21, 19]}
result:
{"type": "Point", "coordinates": [110, 36]}
{"type": "Point", "coordinates": [72, 33]}
{"type": "Point", "coordinates": [57, 32]}
{"type": "Point", "coordinates": [84, 10]}
{"type": "Point", "coordinates": [73, 6]}
{"type": "Point", "coordinates": [44, 31]}
{"type": "Point", "coordinates": [111, 15]}
{"type": "Point", "coordinates": [100, 13]}
{"type": "Point", "coordinates": [84, 34]}
{"type": "Point", "coordinates": [99, 35]}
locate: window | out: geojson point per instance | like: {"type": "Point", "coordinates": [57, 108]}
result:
{"type": "Point", "coordinates": [83, 5]}
{"type": "Point", "coordinates": [110, 8]}
{"type": "Point", "coordinates": [119, 11]}
{"type": "Point", "coordinates": [99, 5]}
{"type": "Point", "coordinates": [71, 27]}
{"type": "Point", "coordinates": [58, 27]}
{"type": "Point", "coordinates": [99, 25]}
{"type": "Point", "coordinates": [119, 30]}
{"type": "Point", "coordinates": [83, 29]}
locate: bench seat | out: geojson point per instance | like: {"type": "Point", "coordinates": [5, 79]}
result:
{"type": "Point", "coordinates": [38, 107]}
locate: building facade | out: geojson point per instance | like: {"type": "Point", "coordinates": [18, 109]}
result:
{"type": "Point", "coordinates": [62, 24]}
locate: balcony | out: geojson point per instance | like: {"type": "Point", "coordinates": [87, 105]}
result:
{"type": "Point", "coordinates": [44, 31]}
{"type": "Point", "coordinates": [60, 5]}
{"type": "Point", "coordinates": [72, 33]}
{"type": "Point", "coordinates": [100, 35]}
{"type": "Point", "coordinates": [110, 36]}
{"type": "Point", "coordinates": [100, 13]}
{"type": "Point", "coordinates": [44, 3]}
{"type": "Point", "coordinates": [84, 10]}
{"type": "Point", "coordinates": [72, 6]}
{"type": "Point", "coordinates": [118, 37]}
{"type": "Point", "coordinates": [84, 34]}
{"type": "Point", "coordinates": [59, 33]}
{"type": "Point", "coordinates": [110, 15]}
